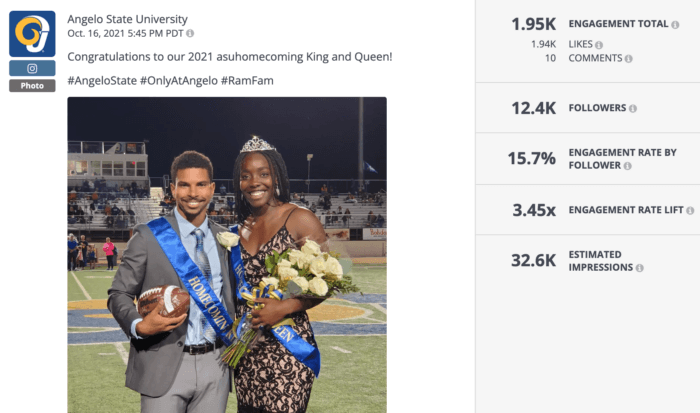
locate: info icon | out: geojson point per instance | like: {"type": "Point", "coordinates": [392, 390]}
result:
{"type": "Point", "coordinates": [32, 34]}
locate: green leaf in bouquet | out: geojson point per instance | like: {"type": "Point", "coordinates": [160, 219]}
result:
{"type": "Point", "coordinates": [269, 264]}
{"type": "Point", "coordinates": [285, 254]}
{"type": "Point", "coordinates": [277, 256]}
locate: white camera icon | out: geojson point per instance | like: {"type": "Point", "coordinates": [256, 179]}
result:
{"type": "Point", "coordinates": [32, 68]}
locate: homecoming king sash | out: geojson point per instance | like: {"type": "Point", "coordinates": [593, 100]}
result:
{"type": "Point", "coordinates": [193, 279]}
{"type": "Point", "coordinates": [300, 348]}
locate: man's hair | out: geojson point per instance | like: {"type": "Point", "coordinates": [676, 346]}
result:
{"type": "Point", "coordinates": [191, 159]}
{"type": "Point", "coordinates": [279, 173]}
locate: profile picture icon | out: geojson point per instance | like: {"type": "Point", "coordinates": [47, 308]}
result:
{"type": "Point", "coordinates": [32, 68]}
{"type": "Point", "coordinates": [32, 34]}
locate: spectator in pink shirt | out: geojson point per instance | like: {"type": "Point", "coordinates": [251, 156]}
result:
{"type": "Point", "coordinates": [108, 248]}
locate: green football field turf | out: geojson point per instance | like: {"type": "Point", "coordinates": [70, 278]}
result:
{"type": "Point", "coordinates": [349, 382]}
{"type": "Point", "coordinates": [353, 372]}
{"type": "Point", "coordinates": [370, 278]}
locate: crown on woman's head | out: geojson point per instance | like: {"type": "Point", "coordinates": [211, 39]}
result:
{"type": "Point", "coordinates": [257, 144]}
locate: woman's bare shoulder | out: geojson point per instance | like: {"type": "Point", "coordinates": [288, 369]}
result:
{"type": "Point", "coordinates": [303, 223]}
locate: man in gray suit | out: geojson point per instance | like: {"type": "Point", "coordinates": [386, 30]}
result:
{"type": "Point", "coordinates": [175, 364]}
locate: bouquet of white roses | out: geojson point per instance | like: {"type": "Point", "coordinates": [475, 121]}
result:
{"type": "Point", "coordinates": [304, 273]}
{"type": "Point", "coordinates": [308, 272]}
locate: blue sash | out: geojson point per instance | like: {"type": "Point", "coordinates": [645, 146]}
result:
{"type": "Point", "coordinates": [242, 285]}
{"type": "Point", "coordinates": [300, 348]}
{"type": "Point", "coordinates": [193, 279]}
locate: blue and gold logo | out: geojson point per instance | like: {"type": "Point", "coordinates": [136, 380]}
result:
{"type": "Point", "coordinates": [32, 34]}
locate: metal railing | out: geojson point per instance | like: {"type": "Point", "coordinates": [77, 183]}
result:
{"type": "Point", "coordinates": [123, 147]}
{"type": "Point", "coordinates": [142, 210]}
{"type": "Point", "coordinates": [335, 186]}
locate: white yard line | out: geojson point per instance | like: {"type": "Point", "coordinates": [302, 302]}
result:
{"type": "Point", "coordinates": [342, 350]}
{"type": "Point", "coordinates": [102, 330]}
{"type": "Point", "coordinates": [376, 322]}
{"type": "Point", "coordinates": [122, 352]}
{"type": "Point", "coordinates": [81, 286]}
{"type": "Point", "coordinates": [379, 307]}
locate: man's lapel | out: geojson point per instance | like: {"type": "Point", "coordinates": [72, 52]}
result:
{"type": "Point", "coordinates": [170, 217]}
{"type": "Point", "coordinates": [225, 273]}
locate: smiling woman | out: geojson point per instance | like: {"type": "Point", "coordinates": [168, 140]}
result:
{"type": "Point", "coordinates": [270, 378]}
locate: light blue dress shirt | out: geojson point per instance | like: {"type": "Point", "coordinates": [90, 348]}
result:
{"type": "Point", "coordinates": [195, 333]}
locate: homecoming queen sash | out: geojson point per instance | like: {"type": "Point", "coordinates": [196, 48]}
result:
{"type": "Point", "coordinates": [300, 348]}
{"type": "Point", "coordinates": [193, 279]}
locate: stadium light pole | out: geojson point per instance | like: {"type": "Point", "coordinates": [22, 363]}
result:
{"type": "Point", "coordinates": [360, 149]}
{"type": "Point", "coordinates": [308, 174]}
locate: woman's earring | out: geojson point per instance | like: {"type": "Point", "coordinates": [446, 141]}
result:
{"type": "Point", "coordinates": [277, 190]}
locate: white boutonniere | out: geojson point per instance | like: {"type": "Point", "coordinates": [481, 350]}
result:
{"type": "Point", "coordinates": [227, 239]}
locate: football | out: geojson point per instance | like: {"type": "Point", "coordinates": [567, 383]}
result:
{"type": "Point", "coordinates": [176, 300]}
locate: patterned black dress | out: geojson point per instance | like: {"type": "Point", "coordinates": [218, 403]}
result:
{"type": "Point", "coordinates": [270, 377]}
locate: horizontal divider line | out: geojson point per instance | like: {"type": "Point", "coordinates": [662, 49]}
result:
{"type": "Point", "coordinates": [691, 83]}
{"type": "Point", "coordinates": [600, 184]}
{"type": "Point", "coordinates": [658, 133]}
{"type": "Point", "coordinates": [597, 235]}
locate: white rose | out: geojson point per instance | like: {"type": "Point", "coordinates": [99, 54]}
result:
{"type": "Point", "coordinates": [318, 286]}
{"type": "Point", "coordinates": [304, 260]}
{"type": "Point", "coordinates": [334, 269]}
{"type": "Point", "coordinates": [317, 267]}
{"type": "Point", "coordinates": [311, 247]}
{"type": "Point", "coordinates": [286, 273]}
{"type": "Point", "coordinates": [295, 256]}
{"type": "Point", "coordinates": [284, 263]}
{"type": "Point", "coordinates": [227, 239]}
{"type": "Point", "coordinates": [302, 283]}
{"type": "Point", "coordinates": [270, 280]}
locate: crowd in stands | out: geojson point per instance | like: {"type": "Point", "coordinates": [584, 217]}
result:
{"type": "Point", "coordinates": [331, 217]}
{"type": "Point", "coordinates": [104, 197]}
{"type": "Point", "coordinates": [110, 189]}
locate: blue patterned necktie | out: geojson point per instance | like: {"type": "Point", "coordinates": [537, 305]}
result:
{"type": "Point", "coordinates": [203, 263]}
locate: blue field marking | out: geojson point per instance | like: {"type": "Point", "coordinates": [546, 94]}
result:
{"type": "Point", "coordinates": [113, 336]}
{"type": "Point", "coordinates": [76, 318]}
{"type": "Point", "coordinates": [364, 299]}
{"type": "Point", "coordinates": [331, 329]}
{"type": "Point", "coordinates": [320, 329]}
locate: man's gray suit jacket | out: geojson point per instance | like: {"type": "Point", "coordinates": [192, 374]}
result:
{"type": "Point", "coordinates": [155, 360]}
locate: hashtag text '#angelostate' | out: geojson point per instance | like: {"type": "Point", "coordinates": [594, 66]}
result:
{"type": "Point", "coordinates": [168, 81]}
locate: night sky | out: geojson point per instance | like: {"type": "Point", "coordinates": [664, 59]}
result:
{"type": "Point", "coordinates": [218, 127]}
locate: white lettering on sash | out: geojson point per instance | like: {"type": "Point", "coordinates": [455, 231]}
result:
{"type": "Point", "coordinates": [284, 333]}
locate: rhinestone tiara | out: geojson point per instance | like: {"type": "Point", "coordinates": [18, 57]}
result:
{"type": "Point", "coordinates": [257, 144]}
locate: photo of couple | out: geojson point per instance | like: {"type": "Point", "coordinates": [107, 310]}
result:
{"type": "Point", "coordinates": [268, 290]}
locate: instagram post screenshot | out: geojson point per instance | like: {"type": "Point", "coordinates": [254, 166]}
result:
{"type": "Point", "coordinates": [268, 206]}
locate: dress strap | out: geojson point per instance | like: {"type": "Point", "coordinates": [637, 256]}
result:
{"type": "Point", "coordinates": [290, 214]}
